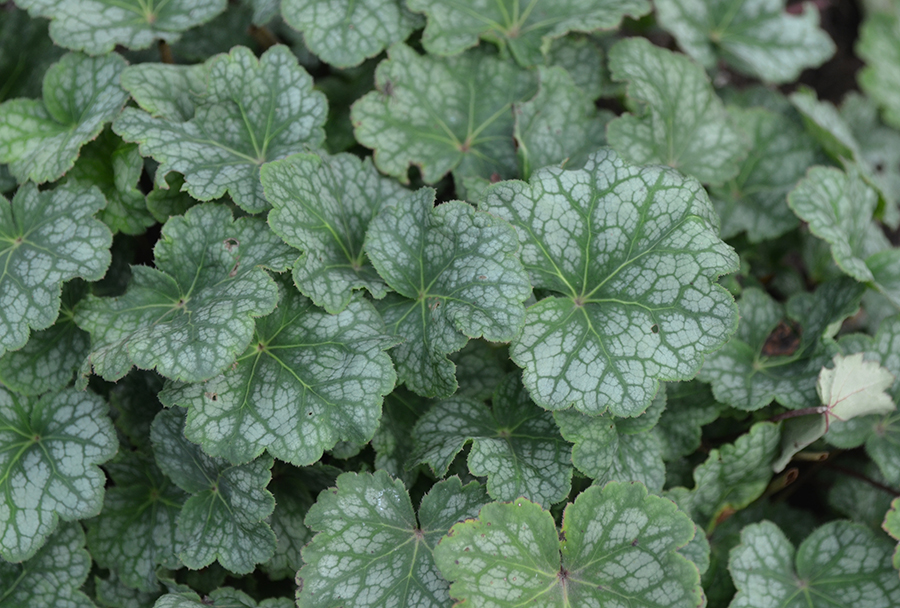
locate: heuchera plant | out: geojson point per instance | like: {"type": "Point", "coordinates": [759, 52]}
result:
{"type": "Point", "coordinates": [422, 303]}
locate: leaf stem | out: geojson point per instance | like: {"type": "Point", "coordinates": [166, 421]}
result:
{"type": "Point", "coordinates": [806, 411]}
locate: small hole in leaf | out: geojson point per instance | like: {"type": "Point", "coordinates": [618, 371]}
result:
{"type": "Point", "coordinates": [654, 328]}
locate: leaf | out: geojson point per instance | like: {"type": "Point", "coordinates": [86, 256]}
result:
{"type": "Point", "coordinates": [559, 126]}
{"type": "Point", "coordinates": [755, 200]}
{"type": "Point", "coordinates": [222, 520]}
{"type": "Point", "coordinates": [480, 367]}
{"type": "Point", "coordinates": [112, 593]}
{"type": "Point", "coordinates": [797, 434]}
{"type": "Point", "coordinates": [167, 91]}
{"type": "Point", "coordinates": [442, 115]}
{"type": "Point", "coordinates": [97, 26]}
{"type": "Point", "coordinates": [252, 111]}
{"type": "Point", "coordinates": [393, 441]}
{"type": "Point", "coordinates": [838, 207]}
{"type": "Point", "coordinates": [323, 205]}
{"type": "Point", "coordinates": [859, 500]}
{"type": "Point", "coordinates": [115, 168]}
{"type": "Point", "coordinates": [855, 388]}
{"type": "Point", "coordinates": [224, 597]}
{"type": "Point", "coordinates": [26, 52]}
{"type": "Point", "coordinates": [733, 476]}
{"type": "Point", "coordinates": [689, 406]}
{"type": "Point", "coordinates": [133, 406]}
{"type": "Point", "coordinates": [136, 530]}
{"type": "Point", "coordinates": [40, 139]}
{"type": "Point", "coordinates": [840, 561]}
{"type": "Point", "coordinates": [52, 577]}
{"type": "Point", "coordinates": [163, 203]}
{"type": "Point", "coordinates": [456, 276]}
{"type": "Point", "coordinates": [778, 351]}
{"type": "Point", "coordinates": [683, 123]}
{"type": "Point", "coordinates": [50, 357]}
{"type": "Point", "coordinates": [891, 525]}
{"type": "Point", "coordinates": [46, 238]}
{"type": "Point", "coordinates": [630, 288]}
{"type": "Point", "coordinates": [49, 451]}
{"type": "Point", "coordinates": [345, 35]}
{"type": "Point", "coordinates": [606, 449]}
{"type": "Point", "coordinates": [307, 380]}
{"type": "Point", "coordinates": [609, 535]}
{"type": "Point", "coordinates": [515, 444]}
{"type": "Point", "coordinates": [878, 46]}
{"type": "Point", "coordinates": [583, 58]}
{"type": "Point", "coordinates": [367, 525]}
{"type": "Point", "coordinates": [191, 315]}
{"type": "Point", "coordinates": [526, 29]}
{"type": "Point", "coordinates": [758, 38]}
{"type": "Point", "coordinates": [295, 490]}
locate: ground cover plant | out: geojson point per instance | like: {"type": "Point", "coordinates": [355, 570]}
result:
{"type": "Point", "coordinates": [430, 303]}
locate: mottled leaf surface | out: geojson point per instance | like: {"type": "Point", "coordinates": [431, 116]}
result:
{"type": "Point", "coordinates": [96, 26]}
{"type": "Point", "coordinates": [136, 531]}
{"type": "Point", "coordinates": [192, 314]}
{"type": "Point", "coordinates": [891, 525]}
{"type": "Point", "coordinates": [306, 381]}
{"type": "Point", "coordinates": [51, 356]}
{"type": "Point", "coordinates": [252, 111]}
{"type": "Point", "coordinates": [322, 205]}
{"type": "Point", "coordinates": [632, 252]}
{"type": "Point", "coordinates": [456, 276]}
{"type": "Point", "coordinates": [778, 350]}
{"type": "Point", "coordinates": [223, 597]}
{"type": "Point", "coordinates": [442, 114]}
{"type": "Point", "coordinates": [527, 29]}
{"type": "Point", "coordinates": [515, 444]}
{"type": "Point", "coordinates": [222, 520]}
{"type": "Point", "coordinates": [689, 406]}
{"type": "Point", "coordinates": [755, 200]}
{"type": "Point", "coordinates": [879, 47]}
{"type": "Point", "coordinates": [757, 37]}
{"type": "Point", "coordinates": [617, 542]}
{"type": "Point", "coordinates": [52, 577]}
{"type": "Point", "coordinates": [393, 440]}
{"type": "Point", "coordinates": [559, 126]}
{"type": "Point", "coordinates": [344, 35]}
{"type": "Point", "coordinates": [40, 139]}
{"type": "Point", "coordinates": [683, 123]}
{"type": "Point", "coordinates": [26, 52]}
{"type": "Point", "coordinates": [839, 564]}
{"type": "Point", "coordinates": [370, 550]}
{"type": "Point", "coordinates": [49, 451]}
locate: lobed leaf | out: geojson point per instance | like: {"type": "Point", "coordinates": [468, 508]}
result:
{"type": "Point", "coordinates": [632, 252]}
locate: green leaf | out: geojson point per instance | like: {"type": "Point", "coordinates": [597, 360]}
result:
{"type": "Point", "coordinates": [393, 440]}
{"type": "Point", "coordinates": [191, 315]}
{"type": "Point", "coordinates": [115, 167]}
{"type": "Point", "coordinates": [345, 35]}
{"type": "Point", "coordinates": [837, 565]}
{"type": "Point", "coordinates": [163, 203]}
{"type": "Point", "coordinates": [879, 47]}
{"type": "Point", "coordinates": [891, 525]}
{"type": "Point", "coordinates": [323, 205]}
{"type": "Point", "coordinates": [583, 58]}
{"type": "Point", "coordinates": [51, 356]}
{"type": "Point", "coordinates": [26, 52]}
{"type": "Point", "coordinates": [264, 11]}
{"type": "Point", "coordinates": [133, 406]}
{"type": "Point", "coordinates": [682, 124]}
{"type": "Point", "coordinates": [559, 126]}
{"type": "Point", "coordinates": [619, 542]}
{"type": "Point", "coordinates": [252, 111]}
{"type": "Point", "coordinates": [797, 434]}
{"type": "Point", "coordinates": [733, 475]}
{"type": "Point", "coordinates": [609, 449]}
{"type": "Point", "coordinates": [689, 406]}
{"type": "Point", "coordinates": [167, 91]}
{"type": "Point", "coordinates": [367, 525]}
{"type": "Point", "coordinates": [40, 139]}
{"type": "Point", "coordinates": [112, 593]}
{"type": "Point", "coordinates": [838, 207]}
{"type": "Point", "coordinates": [480, 367]}
{"type": "Point", "coordinates": [442, 114]}
{"type": "Point", "coordinates": [857, 499]}
{"type": "Point", "coordinates": [46, 238]}
{"type": "Point", "coordinates": [758, 38]}
{"type": "Point", "coordinates": [633, 253]}
{"type": "Point", "coordinates": [755, 200]}
{"type": "Point", "coordinates": [515, 444]}
{"type": "Point", "coordinates": [295, 490]}
{"type": "Point", "coordinates": [97, 26]}
{"type": "Point", "coordinates": [52, 577]}
{"type": "Point", "coordinates": [223, 518]}
{"type": "Point", "coordinates": [306, 381]}
{"type": "Point", "coordinates": [527, 29]}
{"type": "Point", "coordinates": [49, 451]}
{"type": "Point", "coordinates": [136, 530]}
{"type": "Point", "coordinates": [456, 276]}
{"type": "Point", "coordinates": [767, 359]}
{"type": "Point", "coordinates": [224, 597]}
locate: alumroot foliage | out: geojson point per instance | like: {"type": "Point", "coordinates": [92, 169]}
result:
{"type": "Point", "coordinates": [370, 304]}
